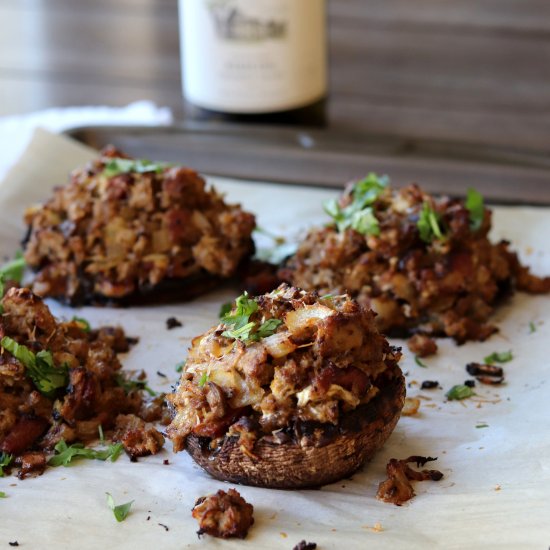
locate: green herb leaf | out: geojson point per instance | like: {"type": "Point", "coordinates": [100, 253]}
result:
{"type": "Point", "coordinates": [460, 391]}
{"type": "Point", "coordinates": [5, 460]}
{"type": "Point", "coordinates": [269, 327]}
{"type": "Point", "coordinates": [203, 380]}
{"type": "Point", "coordinates": [66, 453]}
{"type": "Point", "coordinates": [419, 362]}
{"type": "Point", "coordinates": [13, 270]}
{"type": "Point", "coordinates": [238, 319]}
{"type": "Point", "coordinates": [482, 425]}
{"type": "Point", "coordinates": [40, 367]}
{"type": "Point", "coordinates": [474, 204]}
{"type": "Point", "coordinates": [225, 309]}
{"type": "Point", "coordinates": [117, 166]}
{"type": "Point", "coordinates": [100, 432]}
{"type": "Point", "coordinates": [82, 323]}
{"type": "Point", "coordinates": [134, 385]}
{"type": "Point", "coordinates": [241, 333]}
{"type": "Point", "coordinates": [359, 215]}
{"type": "Point", "coordinates": [121, 511]}
{"type": "Point", "coordinates": [498, 357]}
{"type": "Point", "coordinates": [428, 224]}
{"type": "Point", "coordinates": [532, 327]}
{"type": "Point", "coordinates": [179, 366]}
{"type": "Point", "coordinates": [3, 495]}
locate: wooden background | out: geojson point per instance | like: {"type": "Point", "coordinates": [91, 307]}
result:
{"type": "Point", "coordinates": [474, 70]}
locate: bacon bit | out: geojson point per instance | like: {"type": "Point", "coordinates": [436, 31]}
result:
{"type": "Point", "coordinates": [398, 489]}
{"type": "Point", "coordinates": [412, 404]}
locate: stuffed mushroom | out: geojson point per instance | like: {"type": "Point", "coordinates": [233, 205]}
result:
{"type": "Point", "coordinates": [289, 390]}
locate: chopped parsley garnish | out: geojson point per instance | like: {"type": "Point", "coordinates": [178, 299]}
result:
{"type": "Point", "coordinates": [66, 453]}
{"type": "Point", "coordinates": [532, 327]}
{"type": "Point", "coordinates": [203, 380]}
{"type": "Point", "coordinates": [359, 215]}
{"type": "Point", "coordinates": [40, 367]}
{"type": "Point", "coordinates": [458, 392]}
{"type": "Point", "coordinates": [82, 323]}
{"type": "Point", "coordinates": [3, 495]}
{"type": "Point", "coordinates": [474, 204]}
{"type": "Point", "coordinates": [419, 362]}
{"type": "Point", "coordinates": [240, 327]}
{"type": "Point", "coordinates": [121, 511]}
{"type": "Point", "coordinates": [429, 224]}
{"type": "Point", "coordinates": [134, 385]}
{"type": "Point", "coordinates": [13, 270]}
{"type": "Point", "coordinates": [482, 425]}
{"type": "Point", "coordinates": [498, 357]}
{"type": "Point", "coordinates": [100, 433]}
{"type": "Point", "coordinates": [179, 366]}
{"type": "Point", "coordinates": [117, 166]}
{"type": "Point", "coordinates": [5, 461]}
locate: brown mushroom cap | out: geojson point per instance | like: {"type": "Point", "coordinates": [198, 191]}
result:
{"type": "Point", "coordinates": [311, 461]}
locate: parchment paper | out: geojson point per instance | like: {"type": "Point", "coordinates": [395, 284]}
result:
{"type": "Point", "coordinates": [496, 490]}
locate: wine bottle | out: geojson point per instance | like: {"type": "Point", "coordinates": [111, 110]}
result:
{"type": "Point", "coordinates": [254, 60]}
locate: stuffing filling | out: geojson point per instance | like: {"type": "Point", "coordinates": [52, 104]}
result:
{"type": "Point", "coordinates": [121, 227]}
{"type": "Point", "coordinates": [423, 263]}
{"type": "Point", "coordinates": [276, 363]}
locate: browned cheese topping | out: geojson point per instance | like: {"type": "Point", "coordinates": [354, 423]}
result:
{"type": "Point", "coordinates": [223, 515]}
{"type": "Point", "coordinates": [120, 228]}
{"type": "Point", "coordinates": [62, 383]}
{"type": "Point", "coordinates": [423, 263]}
{"type": "Point", "coordinates": [298, 358]}
{"type": "Point", "coordinates": [398, 488]}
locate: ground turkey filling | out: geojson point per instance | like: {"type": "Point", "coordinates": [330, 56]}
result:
{"type": "Point", "coordinates": [121, 227]}
{"type": "Point", "coordinates": [299, 359]}
{"type": "Point", "coordinates": [75, 387]}
{"type": "Point", "coordinates": [445, 285]}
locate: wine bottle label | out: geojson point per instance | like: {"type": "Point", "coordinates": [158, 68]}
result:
{"type": "Point", "coordinates": [253, 56]}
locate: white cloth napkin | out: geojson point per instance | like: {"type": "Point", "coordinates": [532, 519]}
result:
{"type": "Point", "coordinates": [16, 130]}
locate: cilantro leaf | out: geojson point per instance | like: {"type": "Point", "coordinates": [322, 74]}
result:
{"type": "Point", "coordinates": [458, 392]}
{"type": "Point", "coordinates": [225, 309]}
{"type": "Point", "coordinates": [419, 362]}
{"type": "Point", "coordinates": [482, 425]}
{"type": "Point", "coordinates": [82, 323]}
{"type": "Point", "coordinates": [359, 215]}
{"type": "Point", "coordinates": [428, 224]}
{"type": "Point", "coordinates": [532, 327]}
{"type": "Point", "coordinates": [121, 511]}
{"type": "Point", "coordinates": [267, 328]}
{"type": "Point", "coordinates": [203, 380]}
{"type": "Point", "coordinates": [13, 270]}
{"type": "Point", "coordinates": [240, 327]}
{"type": "Point", "coordinates": [134, 385]}
{"type": "Point", "coordinates": [117, 166]}
{"type": "Point", "coordinates": [498, 357]}
{"type": "Point", "coordinates": [5, 460]}
{"type": "Point", "coordinates": [474, 204]}
{"type": "Point", "coordinates": [241, 333]}
{"type": "Point", "coordinates": [3, 495]}
{"type": "Point", "coordinates": [40, 367]}
{"type": "Point", "coordinates": [66, 453]}
{"type": "Point", "coordinates": [179, 366]}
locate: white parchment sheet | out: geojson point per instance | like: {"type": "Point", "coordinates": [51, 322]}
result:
{"type": "Point", "coordinates": [496, 489]}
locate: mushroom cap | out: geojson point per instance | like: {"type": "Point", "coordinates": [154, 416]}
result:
{"type": "Point", "coordinates": [316, 459]}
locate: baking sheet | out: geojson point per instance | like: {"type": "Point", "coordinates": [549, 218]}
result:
{"type": "Point", "coordinates": [495, 490]}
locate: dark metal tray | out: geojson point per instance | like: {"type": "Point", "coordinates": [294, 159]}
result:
{"type": "Point", "coordinates": [331, 158]}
